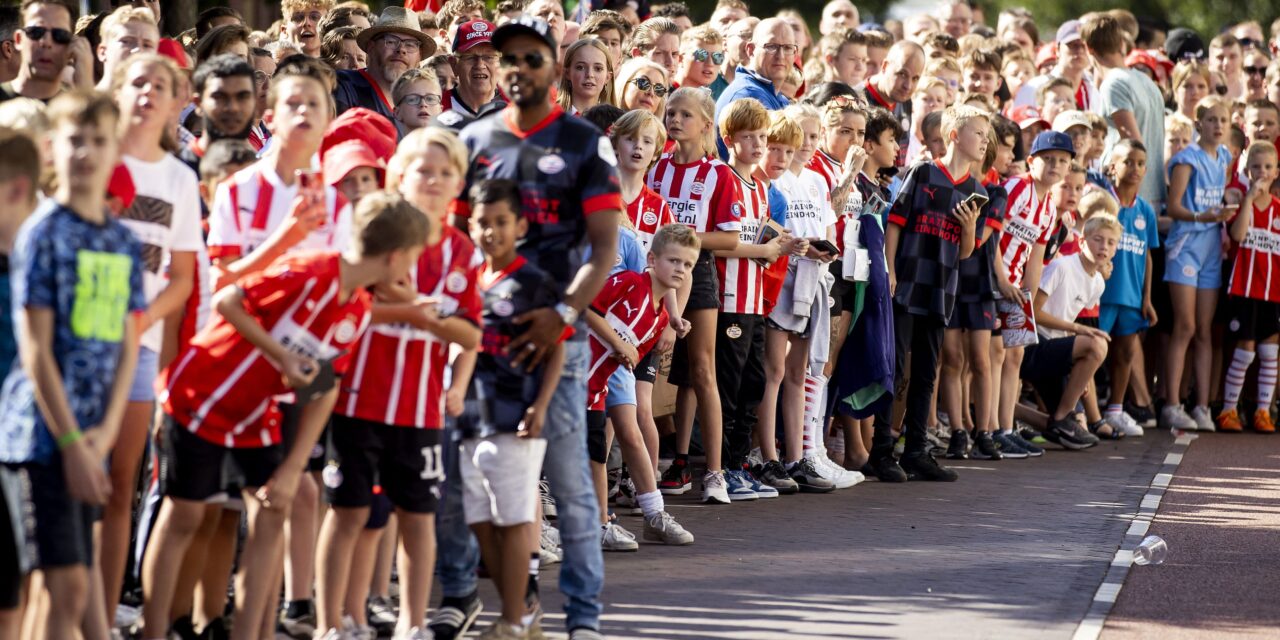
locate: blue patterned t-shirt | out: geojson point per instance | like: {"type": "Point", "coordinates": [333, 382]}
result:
{"type": "Point", "coordinates": [90, 276]}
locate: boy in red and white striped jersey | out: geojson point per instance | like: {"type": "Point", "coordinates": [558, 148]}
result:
{"type": "Point", "coordinates": [285, 328]}
{"type": "Point", "coordinates": [1255, 291]}
{"type": "Point", "coordinates": [390, 412]}
{"type": "Point", "coordinates": [744, 126]}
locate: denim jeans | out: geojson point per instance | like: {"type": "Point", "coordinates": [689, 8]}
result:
{"type": "Point", "coordinates": [569, 476]}
{"type": "Point", "coordinates": [458, 554]}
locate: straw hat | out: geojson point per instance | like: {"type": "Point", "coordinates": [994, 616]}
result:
{"type": "Point", "coordinates": [400, 21]}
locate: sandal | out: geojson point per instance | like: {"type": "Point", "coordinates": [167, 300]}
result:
{"type": "Point", "coordinates": [1111, 432]}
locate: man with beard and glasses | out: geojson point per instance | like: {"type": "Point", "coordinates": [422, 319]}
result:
{"type": "Point", "coordinates": [226, 102]}
{"type": "Point", "coordinates": [395, 44]}
{"type": "Point", "coordinates": [475, 65]}
{"type": "Point", "coordinates": [45, 44]}
{"type": "Point", "coordinates": [569, 186]}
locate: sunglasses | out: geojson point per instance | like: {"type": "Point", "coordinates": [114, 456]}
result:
{"type": "Point", "coordinates": [701, 55]}
{"type": "Point", "coordinates": [531, 60]}
{"type": "Point", "coordinates": [60, 36]}
{"type": "Point", "coordinates": [644, 84]}
{"type": "Point", "coordinates": [1256, 71]}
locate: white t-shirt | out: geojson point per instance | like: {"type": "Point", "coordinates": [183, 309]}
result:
{"type": "Point", "coordinates": [1070, 290]}
{"type": "Point", "coordinates": [809, 212]}
{"type": "Point", "coordinates": [164, 217]}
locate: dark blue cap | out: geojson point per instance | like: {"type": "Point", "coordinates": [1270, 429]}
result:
{"type": "Point", "coordinates": [1052, 141]}
{"type": "Point", "coordinates": [525, 24]}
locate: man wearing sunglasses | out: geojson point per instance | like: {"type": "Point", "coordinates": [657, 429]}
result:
{"type": "Point", "coordinates": [569, 185]}
{"type": "Point", "coordinates": [701, 56]}
{"type": "Point", "coordinates": [45, 45]}
{"type": "Point", "coordinates": [771, 55]}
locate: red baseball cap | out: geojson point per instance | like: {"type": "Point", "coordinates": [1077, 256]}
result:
{"type": "Point", "coordinates": [472, 33]}
{"type": "Point", "coordinates": [365, 125]}
{"type": "Point", "coordinates": [1048, 52]}
{"type": "Point", "coordinates": [172, 49]}
{"type": "Point", "coordinates": [1028, 115]}
{"type": "Point", "coordinates": [345, 157]}
{"type": "Point", "coordinates": [1159, 65]}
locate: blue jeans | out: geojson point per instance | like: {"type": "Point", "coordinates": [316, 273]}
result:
{"type": "Point", "coordinates": [569, 475]}
{"type": "Point", "coordinates": [458, 554]}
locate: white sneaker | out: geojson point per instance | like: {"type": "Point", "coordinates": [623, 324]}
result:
{"type": "Point", "coordinates": [661, 527]}
{"type": "Point", "coordinates": [1131, 426]}
{"type": "Point", "coordinates": [837, 475]}
{"type": "Point", "coordinates": [1118, 424]}
{"type": "Point", "coordinates": [1202, 418]}
{"type": "Point", "coordinates": [353, 631]}
{"type": "Point", "coordinates": [548, 557]}
{"type": "Point", "coordinates": [615, 538]}
{"type": "Point", "coordinates": [1173, 416]}
{"type": "Point", "coordinates": [714, 488]}
{"type": "Point", "coordinates": [548, 503]}
{"type": "Point", "coordinates": [416, 633]}
{"type": "Point", "coordinates": [550, 535]}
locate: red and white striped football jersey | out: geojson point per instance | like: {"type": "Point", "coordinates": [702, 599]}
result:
{"type": "Point", "coordinates": [626, 303]}
{"type": "Point", "coordinates": [398, 371]}
{"type": "Point", "coordinates": [700, 194]}
{"type": "Point", "coordinates": [648, 213]}
{"type": "Point", "coordinates": [1256, 272]}
{"type": "Point", "coordinates": [832, 170]}
{"type": "Point", "coordinates": [1028, 221]}
{"type": "Point", "coordinates": [251, 204]}
{"type": "Point", "coordinates": [223, 388]}
{"type": "Point", "coordinates": [742, 279]}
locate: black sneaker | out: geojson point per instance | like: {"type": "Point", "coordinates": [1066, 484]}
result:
{"type": "Point", "coordinates": [1066, 434]}
{"type": "Point", "coordinates": [1026, 445]}
{"type": "Point", "coordinates": [886, 469]}
{"type": "Point", "coordinates": [808, 478]}
{"type": "Point", "coordinates": [381, 615]}
{"type": "Point", "coordinates": [775, 475]}
{"type": "Point", "coordinates": [958, 448]}
{"type": "Point", "coordinates": [219, 629]}
{"type": "Point", "coordinates": [984, 447]}
{"type": "Point", "coordinates": [922, 466]}
{"type": "Point", "coordinates": [455, 616]}
{"type": "Point", "coordinates": [1144, 416]}
{"type": "Point", "coordinates": [298, 620]}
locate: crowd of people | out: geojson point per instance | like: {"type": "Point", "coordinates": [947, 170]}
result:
{"type": "Point", "coordinates": [307, 319]}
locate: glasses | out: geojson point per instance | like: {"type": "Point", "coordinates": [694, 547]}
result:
{"type": "Point", "coordinates": [531, 60]}
{"type": "Point", "coordinates": [407, 45]}
{"type": "Point", "coordinates": [784, 49]}
{"type": "Point", "coordinates": [473, 58]}
{"type": "Point", "coordinates": [261, 78]}
{"type": "Point", "coordinates": [60, 36]}
{"type": "Point", "coordinates": [301, 17]}
{"type": "Point", "coordinates": [419, 99]}
{"type": "Point", "coordinates": [644, 84]}
{"type": "Point", "coordinates": [1256, 71]}
{"type": "Point", "coordinates": [701, 55]}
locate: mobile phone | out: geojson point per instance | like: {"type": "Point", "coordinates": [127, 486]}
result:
{"type": "Point", "coordinates": [824, 246]}
{"type": "Point", "coordinates": [977, 199]}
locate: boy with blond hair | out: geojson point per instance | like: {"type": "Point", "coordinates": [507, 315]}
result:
{"type": "Point", "coordinates": [302, 23]}
{"type": "Point", "coordinates": [128, 30]}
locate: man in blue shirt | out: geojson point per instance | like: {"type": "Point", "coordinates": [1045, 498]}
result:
{"type": "Point", "coordinates": [772, 52]}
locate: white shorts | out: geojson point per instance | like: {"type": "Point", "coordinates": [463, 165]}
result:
{"type": "Point", "coordinates": [500, 478]}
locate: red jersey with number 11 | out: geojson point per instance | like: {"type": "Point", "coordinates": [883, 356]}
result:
{"type": "Point", "coordinates": [626, 303]}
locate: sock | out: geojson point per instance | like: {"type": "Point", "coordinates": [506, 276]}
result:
{"type": "Point", "coordinates": [1268, 354]}
{"type": "Point", "coordinates": [1235, 378]}
{"type": "Point", "coordinates": [1115, 409]}
{"type": "Point", "coordinates": [534, 561]}
{"type": "Point", "coordinates": [651, 503]}
{"type": "Point", "coordinates": [815, 387]}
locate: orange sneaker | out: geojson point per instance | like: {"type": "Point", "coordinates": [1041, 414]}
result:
{"type": "Point", "coordinates": [1229, 420]}
{"type": "Point", "coordinates": [1262, 421]}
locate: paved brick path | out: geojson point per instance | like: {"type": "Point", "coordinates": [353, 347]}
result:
{"type": "Point", "coordinates": [1014, 548]}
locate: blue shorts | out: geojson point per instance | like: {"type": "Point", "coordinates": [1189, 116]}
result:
{"type": "Point", "coordinates": [144, 378]}
{"type": "Point", "coordinates": [1120, 321]}
{"type": "Point", "coordinates": [622, 388]}
{"type": "Point", "coordinates": [1194, 258]}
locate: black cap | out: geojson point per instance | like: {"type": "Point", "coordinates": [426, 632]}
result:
{"type": "Point", "coordinates": [1184, 44]}
{"type": "Point", "coordinates": [525, 24]}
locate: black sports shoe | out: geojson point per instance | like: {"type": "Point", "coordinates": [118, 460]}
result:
{"type": "Point", "coordinates": [808, 479]}
{"type": "Point", "coordinates": [984, 447]}
{"type": "Point", "coordinates": [922, 466]}
{"type": "Point", "coordinates": [1144, 416]}
{"type": "Point", "coordinates": [775, 475]}
{"type": "Point", "coordinates": [455, 616]}
{"type": "Point", "coordinates": [1066, 433]}
{"type": "Point", "coordinates": [958, 448]}
{"type": "Point", "coordinates": [886, 469]}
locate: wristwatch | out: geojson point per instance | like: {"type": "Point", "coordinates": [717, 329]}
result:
{"type": "Point", "coordinates": [568, 314]}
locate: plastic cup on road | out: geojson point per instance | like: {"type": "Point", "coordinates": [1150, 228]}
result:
{"type": "Point", "coordinates": [1151, 551]}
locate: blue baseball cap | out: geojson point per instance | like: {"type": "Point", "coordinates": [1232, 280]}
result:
{"type": "Point", "coordinates": [1052, 141]}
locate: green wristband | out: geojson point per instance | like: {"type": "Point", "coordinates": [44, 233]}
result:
{"type": "Point", "coordinates": [67, 439]}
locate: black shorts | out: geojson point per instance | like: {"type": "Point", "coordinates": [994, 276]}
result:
{"type": "Point", "coordinates": [13, 495]}
{"type": "Point", "coordinates": [379, 511]}
{"type": "Point", "coordinates": [974, 316]}
{"type": "Point", "coordinates": [62, 528]}
{"type": "Point", "coordinates": [844, 294]}
{"type": "Point", "coordinates": [1160, 294]}
{"type": "Point", "coordinates": [596, 450]}
{"type": "Point", "coordinates": [405, 461]}
{"type": "Point", "coordinates": [705, 291]}
{"type": "Point", "coordinates": [290, 414]}
{"type": "Point", "coordinates": [1046, 366]}
{"type": "Point", "coordinates": [647, 369]}
{"type": "Point", "coordinates": [1251, 319]}
{"type": "Point", "coordinates": [192, 468]}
